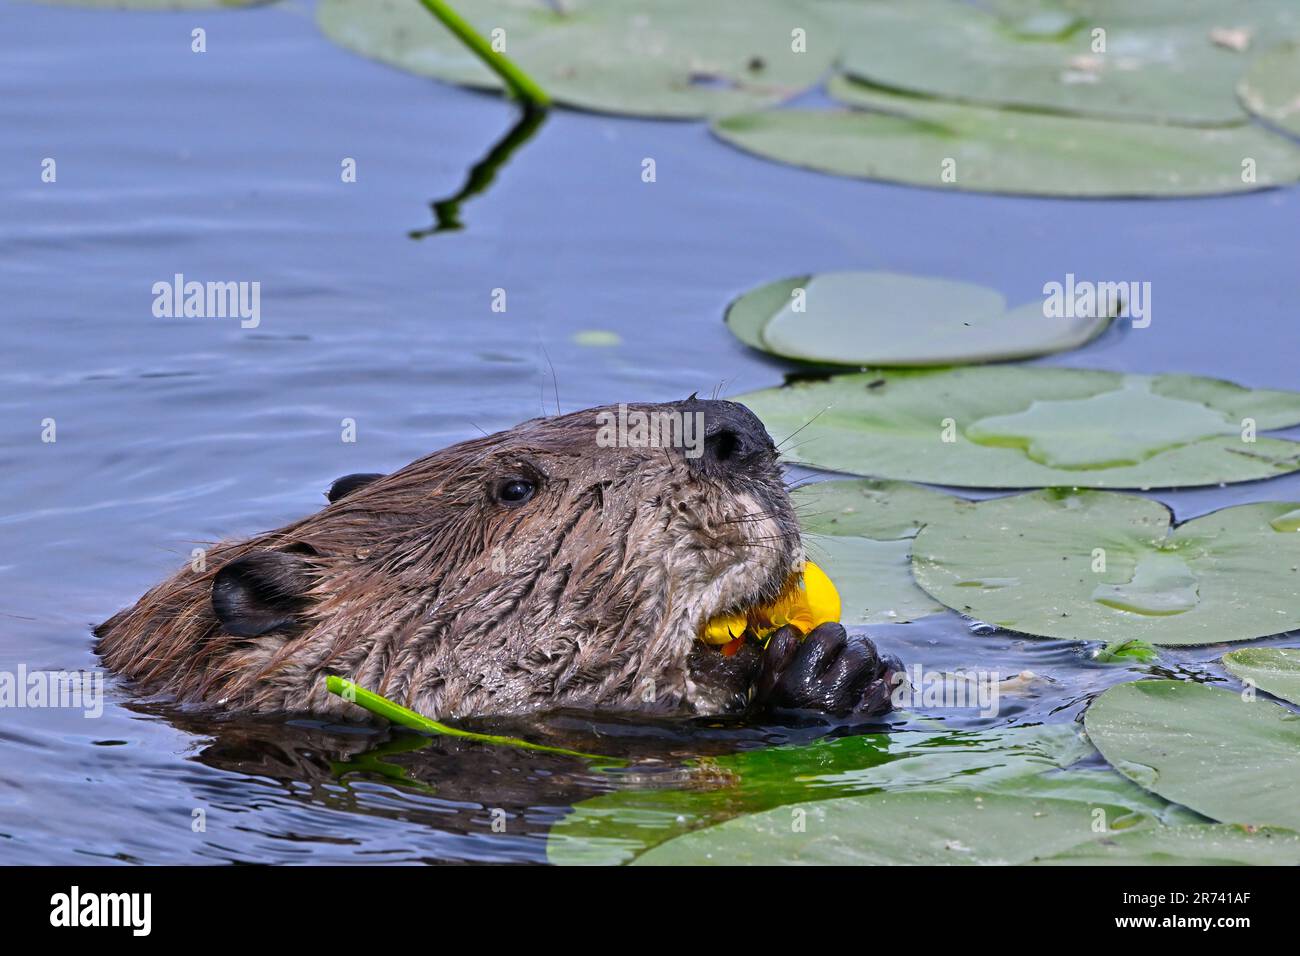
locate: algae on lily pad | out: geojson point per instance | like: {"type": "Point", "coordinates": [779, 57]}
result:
{"type": "Point", "coordinates": [945, 145]}
{"type": "Point", "coordinates": [1275, 670]}
{"type": "Point", "coordinates": [1030, 427]}
{"type": "Point", "coordinates": [616, 826]}
{"type": "Point", "coordinates": [889, 319]}
{"type": "Point", "coordinates": [1098, 566]}
{"type": "Point", "coordinates": [860, 532]}
{"type": "Point", "coordinates": [1233, 760]}
{"type": "Point", "coordinates": [1163, 69]}
{"type": "Point", "coordinates": [1271, 87]}
{"type": "Point", "coordinates": [672, 58]}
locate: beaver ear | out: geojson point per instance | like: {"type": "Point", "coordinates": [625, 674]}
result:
{"type": "Point", "coordinates": [260, 592]}
{"type": "Point", "coordinates": [350, 483]}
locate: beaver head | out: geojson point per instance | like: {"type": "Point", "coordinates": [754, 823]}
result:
{"type": "Point", "coordinates": [569, 561]}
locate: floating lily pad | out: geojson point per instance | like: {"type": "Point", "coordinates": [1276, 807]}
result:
{"type": "Point", "coordinates": [1204, 845]}
{"type": "Point", "coordinates": [1231, 759]}
{"type": "Point", "coordinates": [1166, 69]}
{"type": "Point", "coordinates": [1274, 670]}
{"type": "Point", "coordinates": [1277, 13]}
{"type": "Point", "coordinates": [1271, 88]}
{"type": "Point", "coordinates": [887, 319]}
{"type": "Point", "coordinates": [672, 58]}
{"type": "Point", "coordinates": [1018, 427]}
{"type": "Point", "coordinates": [918, 828]}
{"type": "Point", "coordinates": [946, 145]}
{"type": "Point", "coordinates": [615, 827]}
{"type": "Point", "coordinates": [1097, 566]}
{"type": "Point", "coordinates": [860, 533]}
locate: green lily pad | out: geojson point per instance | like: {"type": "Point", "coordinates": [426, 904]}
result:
{"type": "Point", "coordinates": [946, 145]}
{"type": "Point", "coordinates": [1278, 14]}
{"type": "Point", "coordinates": [1217, 844]}
{"type": "Point", "coordinates": [860, 533]}
{"type": "Point", "coordinates": [1026, 427]}
{"type": "Point", "coordinates": [1274, 670]}
{"type": "Point", "coordinates": [1097, 787]}
{"type": "Point", "coordinates": [887, 319]}
{"type": "Point", "coordinates": [1165, 69]}
{"type": "Point", "coordinates": [1231, 759]}
{"type": "Point", "coordinates": [673, 58]}
{"type": "Point", "coordinates": [1098, 566]}
{"type": "Point", "coordinates": [918, 828]}
{"type": "Point", "coordinates": [615, 827]}
{"type": "Point", "coordinates": [1271, 87]}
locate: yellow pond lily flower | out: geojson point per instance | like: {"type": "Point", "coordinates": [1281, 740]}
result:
{"type": "Point", "coordinates": [807, 601]}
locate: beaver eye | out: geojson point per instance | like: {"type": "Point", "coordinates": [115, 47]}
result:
{"type": "Point", "coordinates": [515, 491]}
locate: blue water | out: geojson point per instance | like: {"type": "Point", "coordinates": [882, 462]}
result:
{"type": "Point", "coordinates": [176, 432]}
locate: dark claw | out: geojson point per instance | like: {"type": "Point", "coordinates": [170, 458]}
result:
{"type": "Point", "coordinates": [877, 696]}
{"type": "Point", "coordinates": [818, 651]}
{"type": "Point", "coordinates": [827, 671]}
{"type": "Point", "coordinates": [780, 651]}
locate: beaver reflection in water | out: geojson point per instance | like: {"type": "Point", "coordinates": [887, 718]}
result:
{"type": "Point", "coordinates": [534, 569]}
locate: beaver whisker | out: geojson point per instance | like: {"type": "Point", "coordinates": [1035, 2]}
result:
{"type": "Point", "coordinates": [753, 542]}
{"type": "Point", "coordinates": [807, 441]}
{"type": "Point", "coordinates": [803, 483]}
{"type": "Point", "coordinates": [804, 425]}
{"type": "Point", "coordinates": [748, 519]}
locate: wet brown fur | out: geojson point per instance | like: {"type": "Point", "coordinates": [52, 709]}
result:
{"type": "Point", "coordinates": [424, 587]}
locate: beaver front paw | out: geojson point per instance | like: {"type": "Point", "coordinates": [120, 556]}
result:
{"type": "Point", "coordinates": [827, 671]}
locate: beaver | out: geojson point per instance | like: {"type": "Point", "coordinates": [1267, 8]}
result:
{"type": "Point", "coordinates": [563, 563]}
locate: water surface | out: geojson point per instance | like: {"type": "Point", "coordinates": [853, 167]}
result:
{"type": "Point", "coordinates": [177, 432]}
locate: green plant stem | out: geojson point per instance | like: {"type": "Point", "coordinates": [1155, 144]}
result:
{"type": "Point", "coordinates": [446, 212]}
{"type": "Point", "coordinates": [520, 84]}
{"type": "Point", "coordinates": [383, 707]}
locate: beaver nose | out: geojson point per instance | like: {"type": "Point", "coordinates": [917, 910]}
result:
{"type": "Point", "coordinates": [733, 438]}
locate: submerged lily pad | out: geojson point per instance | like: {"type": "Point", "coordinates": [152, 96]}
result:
{"type": "Point", "coordinates": [1274, 670]}
{"type": "Point", "coordinates": [615, 827]}
{"type": "Point", "coordinates": [1120, 652]}
{"type": "Point", "coordinates": [1271, 88]}
{"type": "Point", "coordinates": [860, 533]}
{"type": "Point", "coordinates": [1098, 566]}
{"type": "Point", "coordinates": [1018, 427]}
{"type": "Point", "coordinates": [672, 58]}
{"type": "Point", "coordinates": [946, 145]}
{"type": "Point", "coordinates": [888, 319]}
{"type": "Point", "coordinates": [1206, 749]}
{"type": "Point", "coordinates": [1166, 69]}
{"type": "Point", "coordinates": [1231, 759]}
